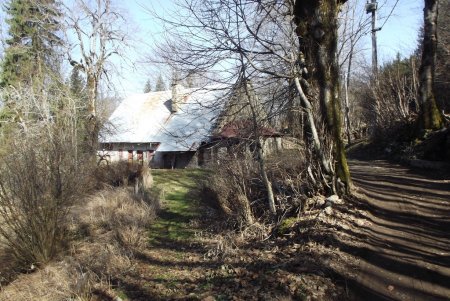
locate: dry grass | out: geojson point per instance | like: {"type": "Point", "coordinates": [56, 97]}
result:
{"type": "Point", "coordinates": [107, 228]}
{"type": "Point", "coordinates": [115, 215]}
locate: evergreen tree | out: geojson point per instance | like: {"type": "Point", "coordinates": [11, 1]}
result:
{"type": "Point", "coordinates": [148, 87]}
{"type": "Point", "coordinates": [31, 50]}
{"type": "Point", "coordinates": [160, 84]}
{"type": "Point", "coordinates": [77, 83]}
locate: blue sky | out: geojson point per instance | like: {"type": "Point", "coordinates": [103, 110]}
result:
{"type": "Point", "coordinates": [399, 34]}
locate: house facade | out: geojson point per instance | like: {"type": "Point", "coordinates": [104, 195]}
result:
{"type": "Point", "coordinates": [180, 128]}
{"type": "Point", "coordinates": [162, 129]}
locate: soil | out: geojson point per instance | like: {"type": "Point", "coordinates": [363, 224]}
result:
{"type": "Point", "coordinates": [189, 258]}
{"type": "Point", "coordinates": [405, 252]}
{"type": "Point", "coordinates": [389, 242]}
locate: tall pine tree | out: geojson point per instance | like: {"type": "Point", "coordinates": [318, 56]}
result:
{"type": "Point", "coordinates": [32, 46]}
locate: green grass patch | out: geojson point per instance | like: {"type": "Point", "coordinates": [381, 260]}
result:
{"type": "Point", "coordinates": [178, 206]}
{"type": "Point", "coordinates": [287, 224]}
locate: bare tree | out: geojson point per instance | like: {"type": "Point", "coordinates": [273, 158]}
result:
{"type": "Point", "coordinates": [353, 26]}
{"type": "Point", "coordinates": [242, 36]}
{"type": "Point", "coordinates": [99, 33]}
{"type": "Point", "coordinates": [442, 79]}
{"type": "Point", "coordinates": [317, 32]}
{"type": "Point", "coordinates": [257, 41]}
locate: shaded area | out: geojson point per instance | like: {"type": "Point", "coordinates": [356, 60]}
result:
{"type": "Point", "coordinates": [404, 252]}
{"type": "Point", "coordinates": [177, 266]}
{"type": "Point", "coordinates": [389, 243]}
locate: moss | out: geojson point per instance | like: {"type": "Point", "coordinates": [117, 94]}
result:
{"type": "Point", "coordinates": [121, 294]}
{"type": "Point", "coordinates": [287, 224]}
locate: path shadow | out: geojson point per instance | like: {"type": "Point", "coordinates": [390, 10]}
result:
{"type": "Point", "coordinates": [404, 251]}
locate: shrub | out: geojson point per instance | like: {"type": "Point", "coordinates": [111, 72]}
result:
{"type": "Point", "coordinates": [41, 173]}
{"type": "Point", "coordinates": [235, 188]}
{"type": "Point", "coordinates": [231, 187]}
{"type": "Point", "coordinates": [124, 174]}
{"type": "Point", "coordinates": [106, 228]}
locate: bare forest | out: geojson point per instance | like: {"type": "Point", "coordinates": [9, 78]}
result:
{"type": "Point", "coordinates": [272, 151]}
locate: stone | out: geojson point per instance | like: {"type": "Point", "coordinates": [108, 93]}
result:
{"type": "Point", "coordinates": [334, 199]}
{"type": "Point", "coordinates": [320, 201]}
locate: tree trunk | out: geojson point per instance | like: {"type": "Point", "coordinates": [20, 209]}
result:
{"type": "Point", "coordinates": [430, 118]}
{"type": "Point", "coordinates": [317, 32]}
{"type": "Point", "coordinates": [257, 122]}
{"type": "Point", "coordinates": [92, 128]}
{"type": "Point", "coordinates": [348, 124]}
{"type": "Point", "coordinates": [306, 104]}
{"type": "Point", "coordinates": [262, 169]}
{"type": "Point", "coordinates": [347, 113]}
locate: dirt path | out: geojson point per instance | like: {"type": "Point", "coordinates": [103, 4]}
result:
{"type": "Point", "coordinates": [407, 243]}
{"type": "Point", "coordinates": [172, 267]}
{"type": "Point", "coordinates": [187, 260]}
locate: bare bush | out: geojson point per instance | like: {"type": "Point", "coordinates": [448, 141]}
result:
{"type": "Point", "coordinates": [107, 228]}
{"type": "Point", "coordinates": [124, 174]}
{"type": "Point", "coordinates": [116, 215]}
{"type": "Point", "coordinates": [390, 104]}
{"type": "Point", "coordinates": [292, 181]}
{"type": "Point", "coordinates": [230, 188]}
{"type": "Point", "coordinates": [41, 173]}
{"type": "Point", "coordinates": [236, 189]}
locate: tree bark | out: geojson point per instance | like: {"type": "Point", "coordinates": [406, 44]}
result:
{"type": "Point", "coordinates": [317, 32]}
{"type": "Point", "coordinates": [265, 178]}
{"type": "Point", "coordinates": [430, 118]}
{"type": "Point", "coordinates": [92, 127]}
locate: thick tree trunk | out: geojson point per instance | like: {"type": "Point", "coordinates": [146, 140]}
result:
{"type": "Point", "coordinates": [430, 117]}
{"type": "Point", "coordinates": [317, 32]}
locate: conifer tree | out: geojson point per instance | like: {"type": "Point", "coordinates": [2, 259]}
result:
{"type": "Point", "coordinates": [31, 51]}
{"type": "Point", "coordinates": [160, 84]}
{"type": "Point", "coordinates": [77, 83]}
{"type": "Point", "coordinates": [148, 87]}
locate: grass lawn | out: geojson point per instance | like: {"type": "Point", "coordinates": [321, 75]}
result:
{"type": "Point", "coordinates": [178, 205]}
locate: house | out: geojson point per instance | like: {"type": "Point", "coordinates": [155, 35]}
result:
{"type": "Point", "coordinates": [178, 128]}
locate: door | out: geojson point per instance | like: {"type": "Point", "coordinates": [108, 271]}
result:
{"type": "Point", "coordinates": [140, 157]}
{"type": "Point", "coordinates": [130, 156]}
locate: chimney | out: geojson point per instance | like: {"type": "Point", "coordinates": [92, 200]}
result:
{"type": "Point", "coordinates": [177, 97]}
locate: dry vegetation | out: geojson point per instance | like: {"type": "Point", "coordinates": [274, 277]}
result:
{"type": "Point", "coordinates": [107, 229]}
{"type": "Point", "coordinates": [235, 187]}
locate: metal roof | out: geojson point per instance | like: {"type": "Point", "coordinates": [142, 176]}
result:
{"type": "Point", "coordinates": [147, 118]}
